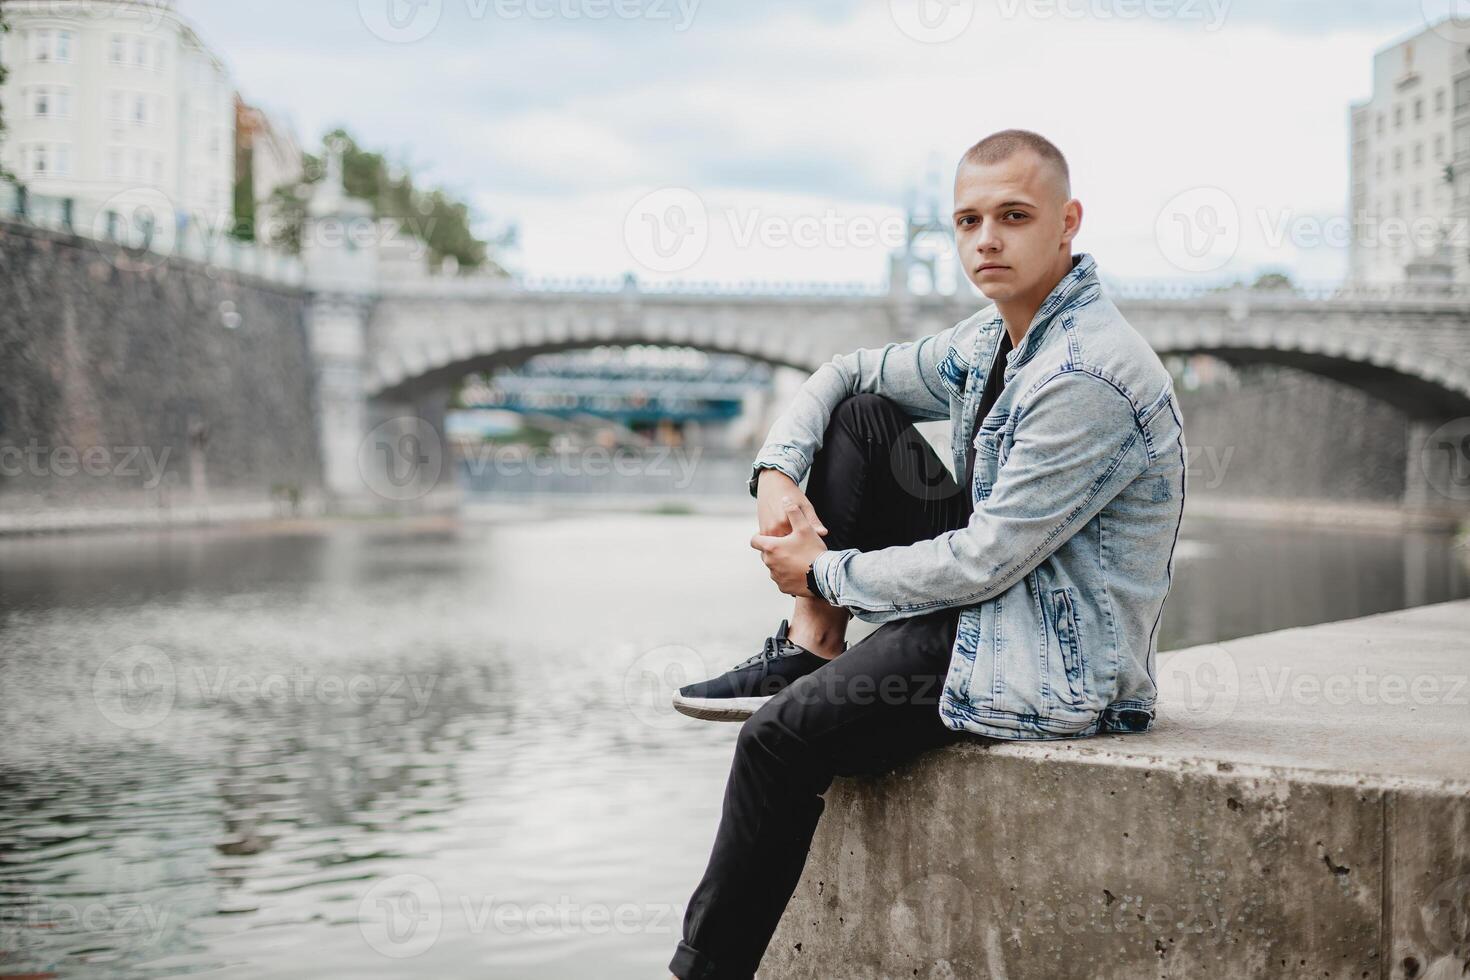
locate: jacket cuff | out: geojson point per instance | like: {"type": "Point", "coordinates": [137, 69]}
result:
{"type": "Point", "coordinates": [783, 458]}
{"type": "Point", "coordinates": [826, 569]}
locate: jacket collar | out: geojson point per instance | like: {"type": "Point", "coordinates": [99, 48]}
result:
{"type": "Point", "coordinates": [1080, 285]}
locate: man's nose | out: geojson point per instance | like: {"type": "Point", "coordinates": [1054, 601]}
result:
{"type": "Point", "coordinates": [987, 240]}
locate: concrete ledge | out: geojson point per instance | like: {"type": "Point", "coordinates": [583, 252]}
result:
{"type": "Point", "coordinates": [1301, 809]}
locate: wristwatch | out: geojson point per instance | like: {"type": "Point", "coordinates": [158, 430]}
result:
{"type": "Point", "coordinates": [811, 581]}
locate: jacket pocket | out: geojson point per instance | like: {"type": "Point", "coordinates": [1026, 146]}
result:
{"type": "Point", "coordinates": [1069, 642]}
{"type": "Point", "coordinates": [954, 372]}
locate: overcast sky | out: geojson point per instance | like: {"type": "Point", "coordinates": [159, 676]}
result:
{"type": "Point", "coordinates": [780, 140]}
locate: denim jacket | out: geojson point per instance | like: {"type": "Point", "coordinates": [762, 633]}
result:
{"type": "Point", "coordinates": [1078, 493]}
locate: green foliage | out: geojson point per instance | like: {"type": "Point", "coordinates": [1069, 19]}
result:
{"type": "Point", "coordinates": [431, 216]}
{"type": "Point", "coordinates": [4, 71]}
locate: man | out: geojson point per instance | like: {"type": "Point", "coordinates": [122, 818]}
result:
{"type": "Point", "coordinates": [1022, 602]}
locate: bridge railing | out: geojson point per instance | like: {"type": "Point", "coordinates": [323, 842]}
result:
{"type": "Point", "coordinates": [194, 243]}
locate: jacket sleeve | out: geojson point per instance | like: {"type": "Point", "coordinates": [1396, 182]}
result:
{"type": "Point", "coordinates": [1076, 447]}
{"type": "Point", "coordinates": [908, 373]}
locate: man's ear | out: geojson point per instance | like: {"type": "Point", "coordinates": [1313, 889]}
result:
{"type": "Point", "coordinates": [1071, 220]}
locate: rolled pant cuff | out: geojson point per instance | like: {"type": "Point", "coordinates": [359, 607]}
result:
{"type": "Point", "coordinates": [690, 964]}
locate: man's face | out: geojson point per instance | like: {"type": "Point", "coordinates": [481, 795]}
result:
{"type": "Point", "coordinates": [1014, 225]}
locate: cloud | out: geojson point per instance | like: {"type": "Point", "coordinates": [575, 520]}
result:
{"type": "Point", "coordinates": [569, 120]}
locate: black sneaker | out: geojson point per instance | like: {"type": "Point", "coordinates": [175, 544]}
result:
{"type": "Point", "coordinates": [736, 694]}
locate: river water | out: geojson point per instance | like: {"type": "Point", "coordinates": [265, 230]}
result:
{"type": "Point", "coordinates": [435, 748]}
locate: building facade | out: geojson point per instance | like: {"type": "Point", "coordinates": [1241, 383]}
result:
{"type": "Point", "coordinates": [1409, 161]}
{"type": "Point", "coordinates": [122, 112]}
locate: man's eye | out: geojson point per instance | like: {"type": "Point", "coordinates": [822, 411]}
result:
{"type": "Point", "coordinates": [1018, 215]}
{"type": "Point", "coordinates": [967, 219]}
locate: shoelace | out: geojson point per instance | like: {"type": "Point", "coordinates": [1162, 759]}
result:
{"type": "Point", "coordinates": [769, 651]}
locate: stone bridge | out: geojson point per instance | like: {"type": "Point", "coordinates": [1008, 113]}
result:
{"type": "Point", "coordinates": [391, 347]}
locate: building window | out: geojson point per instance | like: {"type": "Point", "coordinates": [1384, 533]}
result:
{"type": "Point", "coordinates": [63, 160]}
{"type": "Point", "coordinates": [1380, 124]}
{"type": "Point", "coordinates": [1378, 166]}
{"type": "Point", "coordinates": [1398, 204]}
{"type": "Point", "coordinates": [140, 52]}
{"type": "Point", "coordinates": [116, 50]}
{"type": "Point", "coordinates": [1418, 154]}
{"type": "Point", "coordinates": [115, 109]}
{"type": "Point", "coordinates": [1418, 199]}
{"type": "Point", "coordinates": [40, 162]}
{"type": "Point", "coordinates": [1398, 160]}
{"type": "Point", "coordinates": [40, 46]}
{"type": "Point", "coordinates": [1398, 117]}
{"type": "Point", "coordinates": [1439, 100]}
{"type": "Point", "coordinates": [1439, 147]}
{"type": "Point", "coordinates": [115, 162]}
{"type": "Point", "coordinates": [1418, 109]}
{"type": "Point", "coordinates": [140, 110]}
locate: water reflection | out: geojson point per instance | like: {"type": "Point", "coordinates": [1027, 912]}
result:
{"type": "Point", "coordinates": [420, 748]}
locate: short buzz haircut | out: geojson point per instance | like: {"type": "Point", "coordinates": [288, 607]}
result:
{"type": "Point", "coordinates": [1006, 143]}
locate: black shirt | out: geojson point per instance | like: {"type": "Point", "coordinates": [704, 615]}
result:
{"type": "Point", "coordinates": [994, 384]}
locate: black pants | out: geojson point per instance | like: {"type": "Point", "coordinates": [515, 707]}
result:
{"type": "Point", "coordinates": [875, 483]}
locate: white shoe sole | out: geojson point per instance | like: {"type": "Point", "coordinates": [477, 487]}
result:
{"type": "Point", "coordinates": [718, 709]}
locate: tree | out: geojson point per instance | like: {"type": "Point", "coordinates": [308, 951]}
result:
{"type": "Point", "coordinates": [4, 71]}
{"type": "Point", "coordinates": [433, 216]}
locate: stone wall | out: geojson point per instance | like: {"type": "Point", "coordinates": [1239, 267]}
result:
{"type": "Point", "coordinates": [1291, 435]}
{"type": "Point", "coordinates": [130, 380]}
